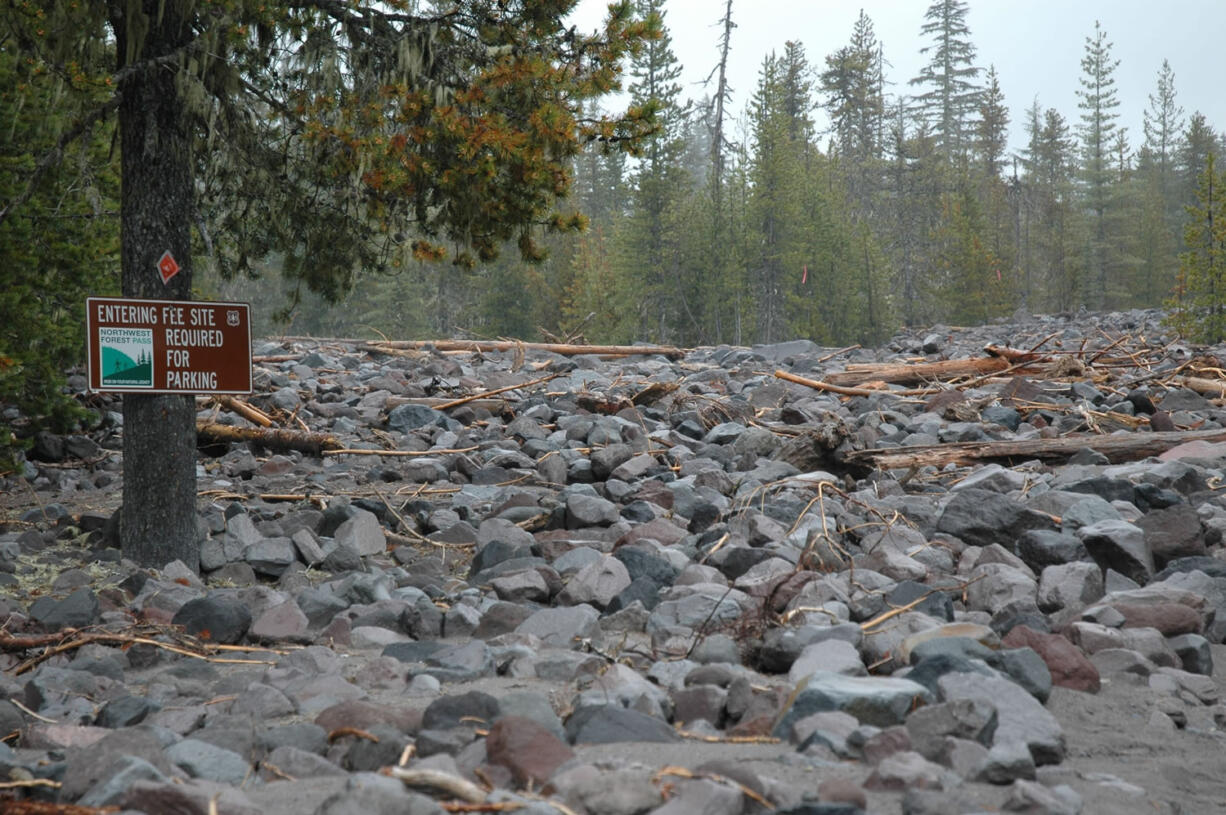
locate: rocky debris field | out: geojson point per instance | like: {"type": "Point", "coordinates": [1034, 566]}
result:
{"type": "Point", "coordinates": [712, 582]}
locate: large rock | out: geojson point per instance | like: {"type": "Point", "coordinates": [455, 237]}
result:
{"type": "Point", "coordinates": [606, 724]}
{"type": "Point", "coordinates": [879, 701]}
{"type": "Point", "coordinates": [1172, 533]}
{"type": "Point", "coordinates": [218, 617]}
{"type": "Point", "coordinates": [994, 586]}
{"type": "Point", "coordinates": [363, 533]}
{"type": "Point", "coordinates": [529, 750]}
{"type": "Point", "coordinates": [1121, 546]}
{"type": "Point", "coordinates": [597, 583]}
{"type": "Point", "coordinates": [561, 627]}
{"type": "Point", "coordinates": [1070, 585]}
{"type": "Point", "coordinates": [1070, 668]}
{"type": "Point", "coordinates": [982, 517]}
{"type": "Point", "coordinates": [1020, 717]}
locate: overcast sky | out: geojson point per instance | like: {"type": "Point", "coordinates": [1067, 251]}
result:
{"type": "Point", "coordinates": [1036, 46]}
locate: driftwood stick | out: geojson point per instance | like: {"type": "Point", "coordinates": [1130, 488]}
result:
{"type": "Point", "coordinates": [1117, 448]}
{"type": "Point", "coordinates": [247, 411]}
{"type": "Point", "coordinates": [461, 788]}
{"type": "Point", "coordinates": [350, 451]}
{"type": "Point", "coordinates": [506, 345]}
{"type": "Point", "coordinates": [485, 394]}
{"type": "Point", "coordinates": [481, 400]}
{"type": "Point", "coordinates": [314, 444]}
{"type": "Point", "coordinates": [817, 384]}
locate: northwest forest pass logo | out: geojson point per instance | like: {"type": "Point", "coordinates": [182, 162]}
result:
{"type": "Point", "coordinates": [127, 357]}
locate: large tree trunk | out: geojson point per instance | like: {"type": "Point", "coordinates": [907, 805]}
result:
{"type": "Point", "coordinates": [158, 517]}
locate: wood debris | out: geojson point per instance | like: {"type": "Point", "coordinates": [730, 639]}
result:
{"type": "Point", "coordinates": [563, 349]}
{"type": "Point", "coordinates": [277, 439]}
{"type": "Point", "coordinates": [1117, 448]}
{"type": "Point", "coordinates": [163, 637]}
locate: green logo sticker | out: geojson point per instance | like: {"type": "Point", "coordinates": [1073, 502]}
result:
{"type": "Point", "coordinates": [127, 357]}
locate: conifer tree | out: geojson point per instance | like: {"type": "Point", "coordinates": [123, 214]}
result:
{"type": "Point", "coordinates": [950, 95]}
{"type": "Point", "coordinates": [1199, 305]}
{"type": "Point", "coordinates": [1162, 125]}
{"type": "Point", "coordinates": [646, 253]}
{"type": "Point", "coordinates": [1098, 132]}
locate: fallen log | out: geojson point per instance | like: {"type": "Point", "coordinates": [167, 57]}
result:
{"type": "Point", "coordinates": [1117, 448]}
{"type": "Point", "coordinates": [914, 373]}
{"type": "Point", "coordinates": [1215, 388]}
{"type": "Point", "coordinates": [817, 384]}
{"type": "Point", "coordinates": [314, 444]}
{"type": "Point", "coordinates": [506, 345]}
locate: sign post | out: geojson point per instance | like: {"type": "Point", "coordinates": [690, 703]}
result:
{"type": "Point", "coordinates": [168, 346]}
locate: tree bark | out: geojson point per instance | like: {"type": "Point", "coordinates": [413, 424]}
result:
{"type": "Point", "coordinates": [158, 517]}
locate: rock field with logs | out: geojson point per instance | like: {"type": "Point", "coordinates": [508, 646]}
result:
{"type": "Point", "coordinates": [914, 579]}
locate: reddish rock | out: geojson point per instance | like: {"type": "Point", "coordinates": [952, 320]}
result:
{"type": "Point", "coordinates": [365, 715]}
{"type": "Point", "coordinates": [1169, 618]}
{"type": "Point", "coordinates": [886, 743]}
{"type": "Point", "coordinates": [758, 726]}
{"type": "Point", "coordinates": [788, 587]}
{"type": "Point", "coordinates": [1069, 667]}
{"type": "Point", "coordinates": [528, 749]}
{"type": "Point", "coordinates": [661, 529]}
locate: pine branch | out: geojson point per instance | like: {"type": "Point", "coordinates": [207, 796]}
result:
{"type": "Point", "coordinates": [55, 155]}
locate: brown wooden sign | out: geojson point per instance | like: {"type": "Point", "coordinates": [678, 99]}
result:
{"type": "Point", "coordinates": [168, 346]}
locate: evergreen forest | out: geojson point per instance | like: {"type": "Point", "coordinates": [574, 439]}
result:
{"type": "Point", "coordinates": [726, 218]}
{"type": "Point", "coordinates": [909, 209]}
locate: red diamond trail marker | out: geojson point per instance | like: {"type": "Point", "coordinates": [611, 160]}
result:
{"type": "Point", "coordinates": [168, 267]}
